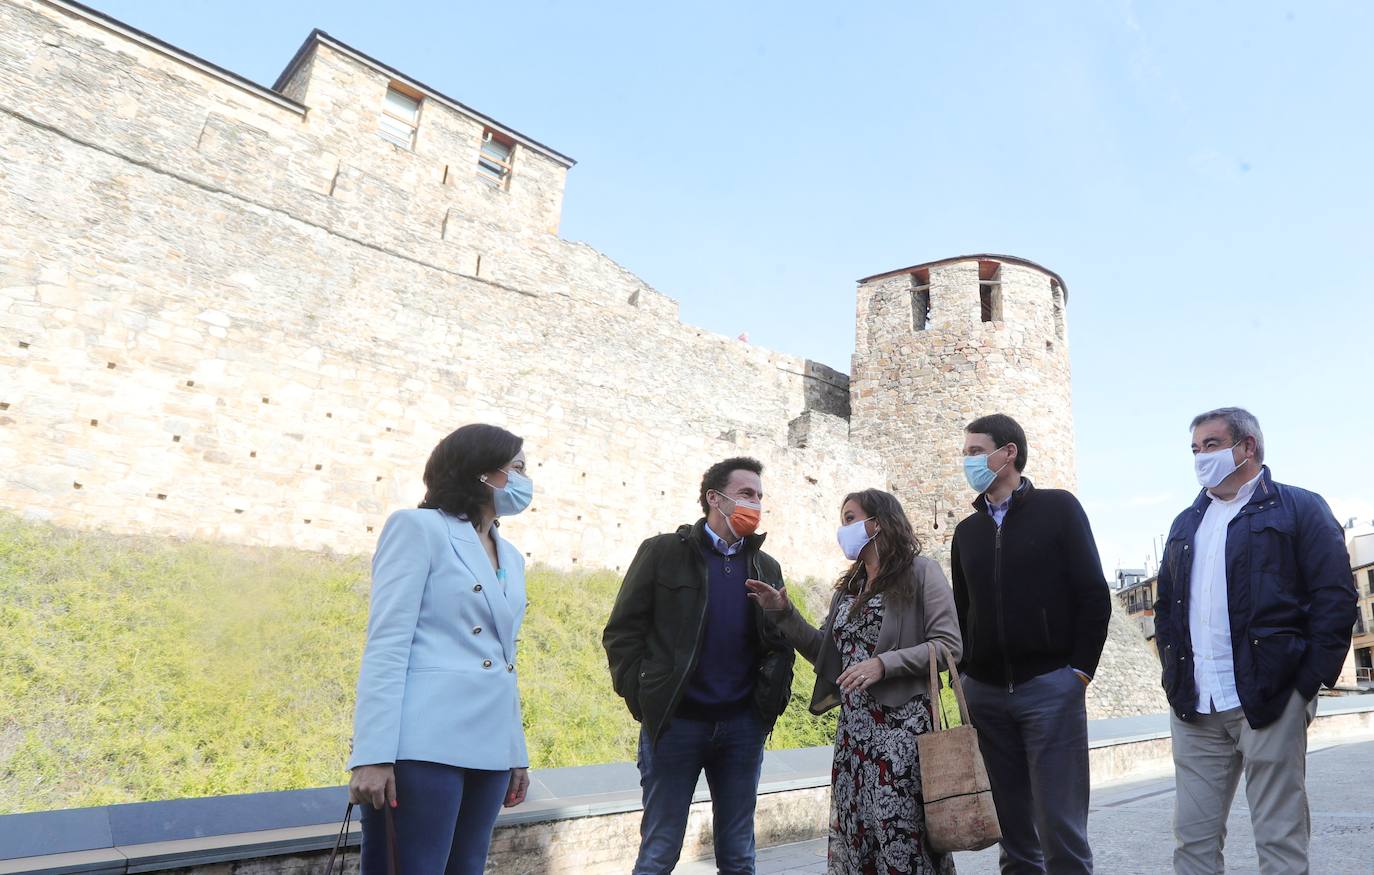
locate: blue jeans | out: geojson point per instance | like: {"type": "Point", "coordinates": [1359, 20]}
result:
{"type": "Point", "coordinates": [731, 753]}
{"type": "Point", "coordinates": [444, 817]}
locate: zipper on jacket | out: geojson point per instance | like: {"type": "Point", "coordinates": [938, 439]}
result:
{"type": "Point", "coordinates": [1001, 616]}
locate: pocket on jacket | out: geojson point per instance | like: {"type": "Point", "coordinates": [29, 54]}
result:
{"type": "Point", "coordinates": [1168, 672]}
{"type": "Point", "coordinates": [1272, 544]}
{"type": "Point", "coordinates": [653, 679]}
{"type": "Point", "coordinates": [1275, 656]}
{"type": "Point", "coordinates": [648, 671]}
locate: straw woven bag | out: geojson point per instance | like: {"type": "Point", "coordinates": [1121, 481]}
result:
{"type": "Point", "coordinates": [960, 815]}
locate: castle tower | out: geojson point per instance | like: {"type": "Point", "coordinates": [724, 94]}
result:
{"type": "Point", "coordinates": [937, 346]}
{"type": "Point", "coordinates": [942, 343]}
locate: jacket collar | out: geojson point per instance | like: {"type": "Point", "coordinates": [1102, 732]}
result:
{"type": "Point", "coordinates": [463, 537]}
{"type": "Point", "coordinates": [1020, 495]}
{"type": "Point", "coordinates": [696, 536]}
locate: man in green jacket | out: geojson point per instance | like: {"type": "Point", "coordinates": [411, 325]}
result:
{"type": "Point", "coordinates": [701, 669]}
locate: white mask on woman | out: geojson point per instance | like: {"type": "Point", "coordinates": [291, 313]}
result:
{"type": "Point", "coordinates": [853, 538]}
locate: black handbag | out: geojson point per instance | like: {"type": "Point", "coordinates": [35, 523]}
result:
{"type": "Point", "coordinates": [392, 866]}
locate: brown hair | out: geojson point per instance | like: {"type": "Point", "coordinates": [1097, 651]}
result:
{"type": "Point", "coordinates": [897, 544]}
{"type": "Point", "coordinates": [454, 469]}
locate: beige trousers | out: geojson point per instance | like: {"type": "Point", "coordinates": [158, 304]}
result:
{"type": "Point", "coordinates": [1209, 756]}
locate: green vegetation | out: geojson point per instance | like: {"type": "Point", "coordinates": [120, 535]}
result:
{"type": "Point", "coordinates": [134, 669]}
{"type": "Point", "coordinates": [138, 669]}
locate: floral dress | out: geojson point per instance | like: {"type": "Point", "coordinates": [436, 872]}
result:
{"type": "Point", "coordinates": [877, 826]}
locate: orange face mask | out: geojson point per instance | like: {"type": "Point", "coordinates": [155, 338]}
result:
{"type": "Point", "coordinates": [744, 520]}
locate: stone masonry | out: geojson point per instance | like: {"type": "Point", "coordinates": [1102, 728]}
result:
{"type": "Point", "coordinates": [239, 313]}
{"type": "Point", "coordinates": [937, 346]}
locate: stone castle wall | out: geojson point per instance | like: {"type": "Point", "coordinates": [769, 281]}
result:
{"type": "Point", "coordinates": [227, 317]}
{"type": "Point", "coordinates": [233, 313]}
{"type": "Point", "coordinates": [915, 389]}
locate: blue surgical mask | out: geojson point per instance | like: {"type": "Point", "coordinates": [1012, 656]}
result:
{"type": "Point", "coordinates": [978, 474]}
{"type": "Point", "coordinates": [514, 497]}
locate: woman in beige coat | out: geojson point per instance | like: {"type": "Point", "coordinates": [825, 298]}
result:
{"type": "Point", "coordinates": [872, 658]}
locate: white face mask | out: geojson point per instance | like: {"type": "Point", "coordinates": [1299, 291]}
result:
{"type": "Point", "coordinates": [1214, 467]}
{"type": "Point", "coordinates": [853, 538]}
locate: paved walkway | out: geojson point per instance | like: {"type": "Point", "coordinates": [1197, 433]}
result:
{"type": "Point", "coordinates": [1131, 826]}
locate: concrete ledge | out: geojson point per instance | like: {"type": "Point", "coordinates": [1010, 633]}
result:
{"type": "Point", "coordinates": [577, 820]}
{"type": "Point", "coordinates": [1127, 748]}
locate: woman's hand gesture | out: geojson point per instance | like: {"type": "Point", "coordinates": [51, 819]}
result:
{"type": "Point", "coordinates": [862, 675]}
{"type": "Point", "coordinates": [768, 598]}
{"type": "Point", "coordinates": [519, 785]}
{"type": "Point", "coordinates": [373, 785]}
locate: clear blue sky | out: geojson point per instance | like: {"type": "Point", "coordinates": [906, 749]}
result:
{"type": "Point", "coordinates": [1200, 174]}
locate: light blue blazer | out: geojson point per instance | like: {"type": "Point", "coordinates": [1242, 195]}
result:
{"type": "Point", "coordinates": [438, 678]}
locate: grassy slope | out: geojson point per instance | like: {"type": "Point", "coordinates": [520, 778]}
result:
{"type": "Point", "coordinates": [138, 669]}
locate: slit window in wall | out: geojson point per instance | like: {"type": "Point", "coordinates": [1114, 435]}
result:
{"type": "Point", "coordinates": [400, 116]}
{"type": "Point", "coordinates": [1057, 296]}
{"type": "Point", "coordinates": [495, 160]}
{"type": "Point", "coordinates": [920, 300]}
{"type": "Point", "coordinates": [990, 291]}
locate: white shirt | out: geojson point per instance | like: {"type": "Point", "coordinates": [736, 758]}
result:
{"type": "Point", "coordinates": [1209, 617]}
{"type": "Point", "coordinates": [722, 546]}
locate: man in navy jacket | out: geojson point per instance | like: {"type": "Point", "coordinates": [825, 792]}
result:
{"type": "Point", "coordinates": [1255, 611]}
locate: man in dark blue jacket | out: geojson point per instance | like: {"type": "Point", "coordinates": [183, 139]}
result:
{"type": "Point", "coordinates": [1255, 612]}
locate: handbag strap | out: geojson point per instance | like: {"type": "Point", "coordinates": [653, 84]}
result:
{"type": "Point", "coordinates": [339, 842]}
{"type": "Point", "coordinates": [939, 654]}
{"type": "Point", "coordinates": [393, 867]}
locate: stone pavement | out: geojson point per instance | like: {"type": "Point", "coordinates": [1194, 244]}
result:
{"type": "Point", "coordinates": [1132, 834]}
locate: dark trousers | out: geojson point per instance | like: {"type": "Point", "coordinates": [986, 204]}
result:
{"type": "Point", "coordinates": [731, 754]}
{"type": "Point", "coordinates": [444, 817]}
{"type": "Point", "coordinates": [1035, 744]}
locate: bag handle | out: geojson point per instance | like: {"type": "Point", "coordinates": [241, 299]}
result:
{"type": "Point", "coordinates": [939, 654]}
{"type": "Point", "coordinates": [392, 866]}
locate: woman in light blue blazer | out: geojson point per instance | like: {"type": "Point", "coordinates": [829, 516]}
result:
{"type": "Point", "coordinates": [436, 731]}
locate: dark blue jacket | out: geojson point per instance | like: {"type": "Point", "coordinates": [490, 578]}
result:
{"type": "Point", "coordinates": [1290, 595]}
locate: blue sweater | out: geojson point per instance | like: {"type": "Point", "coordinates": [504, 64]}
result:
{"type": "Point", "coordinates": [723, 683]}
